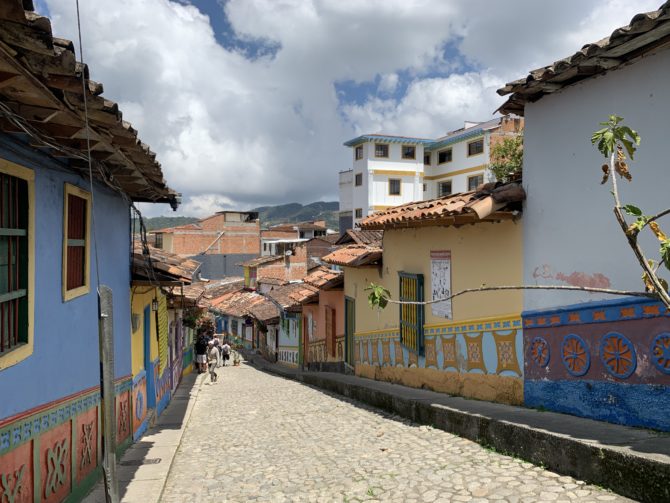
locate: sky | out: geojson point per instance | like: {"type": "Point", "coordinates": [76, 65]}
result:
{"type": "Point", "coordinates": [247, 102]}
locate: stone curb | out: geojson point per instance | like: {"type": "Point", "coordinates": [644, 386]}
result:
{"type": "Point", "coordinates": [635, 476]}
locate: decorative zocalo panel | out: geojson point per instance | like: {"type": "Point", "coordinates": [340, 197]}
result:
{"type": "Point", "coordinates": [603, 360]}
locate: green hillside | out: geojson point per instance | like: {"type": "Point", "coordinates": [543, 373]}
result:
{"type": "Point", "coordinates": [269, 215]}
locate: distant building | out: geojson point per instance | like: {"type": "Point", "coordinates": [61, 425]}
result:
{"type": "Point", "coordinates": [291, 233]}
{"type": "Point", "coordinates": [393, 170]}
{"type": "Point", "coordinates": [219, 242]}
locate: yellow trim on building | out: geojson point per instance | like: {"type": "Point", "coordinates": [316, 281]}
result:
{"type": "Point", "coordinates": [86, 287]}
{"type": "Point", "coordinates": [396, 172]}
{"type": "Point", "coordinates": [458, 172]}
{"type": "Point", "coordinates": [23, 351]}
{"type": "Point", "coordinates": [453, 324]}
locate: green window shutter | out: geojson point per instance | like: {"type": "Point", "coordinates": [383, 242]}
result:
{"type": "Point", "coordinates": [412, 315]}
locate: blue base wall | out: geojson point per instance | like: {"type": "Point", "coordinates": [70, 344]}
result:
{"type": "Point", "coordinates": [630, 404]}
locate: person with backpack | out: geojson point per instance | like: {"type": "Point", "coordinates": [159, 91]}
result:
{"type": "Point", "coordinates": [201, 353]}
{"type": "Point", "coordinates": [225, 353]}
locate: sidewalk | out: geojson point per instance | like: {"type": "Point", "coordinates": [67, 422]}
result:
{"type": "Point", "coordinates": [630, 461]}
{"type": "Point", "coordinates": [144, 467]}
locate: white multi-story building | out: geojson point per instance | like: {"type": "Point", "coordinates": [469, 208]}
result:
{"type": "Point", "coordinates": [392, 170]}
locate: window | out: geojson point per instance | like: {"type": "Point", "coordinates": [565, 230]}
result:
{"type": "Point", "coordinates": [408, 152]}
{"type": "Point", "coordinates": [475, 181]}
{"type": "Point", "coordinates": [424, 187]}
{"type": "Point", "coordinates": [159, 240]}
{"type": "Point", "coordinates": [426, 159]}
{"type": "Point", "coordinates": [358, 181]}
{"type": "Point", "coordinates": [16, 263]}
{"type": "Point", "coordinates": [394, 187]}
{"type": "Point", "coordinates": [359, 213]}
{"type": "Point", "coordinates": [381, 150]}
{"type": "Point", "coordinates": [359, 152]}
{"type": "Point", "coordinates": [77, 216]}
{"type": "Point", "coordinates": [444, 188]}
{"type": "Point", "coordinates": [444, 156]}
{"type": "Point", "coordinates": [476, 147]}
{"type": "Point", "coordinates": [411, 315]}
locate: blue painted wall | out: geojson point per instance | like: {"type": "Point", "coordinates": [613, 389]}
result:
{"type": "Point", "coordinates": [65, 359]}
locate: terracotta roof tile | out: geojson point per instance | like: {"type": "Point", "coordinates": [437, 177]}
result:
{"type": "Point", "coordinates": [354, 255]}
{"type": "Point", "coordinates": [162, 265]}
{"type": "Point", "coordinates": [642, 34]}
{"type": "Point", "coordinates": [293, 295]}
{"type": "Point", "coordinates": [487, 203]}
{"type": "Point", "coordinates": [324, 278]}
{"type": "Point", "coordinates": [361, 237]}
{"type": "Point", "coordinates": [255, 262]}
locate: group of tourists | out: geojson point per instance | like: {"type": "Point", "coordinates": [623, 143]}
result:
{"type": "Point", "coordinates": [211, 352]}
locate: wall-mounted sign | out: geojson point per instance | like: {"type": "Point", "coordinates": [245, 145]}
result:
{"type": "Point", "coordinates": [440, 284]}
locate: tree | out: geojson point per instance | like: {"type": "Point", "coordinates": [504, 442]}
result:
{"type": "Point", "coordinates": [614, 141]}
{"type": "Point", "coordinates": [507, 158]}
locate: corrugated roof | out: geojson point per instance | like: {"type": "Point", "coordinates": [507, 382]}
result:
{"type": "Point", "coordinates": [644, 33]}
{"type": "Point", "coordinates": [355, 255]}
{"type": "Point", "coordinates": [42, 91]}
{"type": "Point", "coordinates": [361, 237]}
{"type": "Point", "coordinates": [386, 139]}
{"type": "Point", "coordinates": [255, 262]}
{"type": "Point", "coordinates": [487, 204]}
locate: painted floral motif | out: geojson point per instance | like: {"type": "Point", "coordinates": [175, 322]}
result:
{"type": "Point", "coordinates": [87, 444]}
{"type": "Point", "coordinates": [11, 486]}
{"type": "Point", "coordinates": [506, 353]}
{"type": "Point", "coordinates": [386, 352]}
{"type": "Point", "coordinates": [474, 352]}
{"type": "Point", "coordinates": [449, 352]}
{"type": "Point", "coordinates": [124, 425]}
{"type": "Point", "coordinates": [618, 355]}
{"type": "Point", "coordinates": [539, 351]}
{"type": "Point", "coordinates": [398, 353]}
{"type": "Point", "coordinates": [57, 459]}
{"type": "Point", "coordinates": [431, 353]}
{"type": "Point", "coordinates": [660, 352]}
{"type": "Point", "coordinates": [575, 355]}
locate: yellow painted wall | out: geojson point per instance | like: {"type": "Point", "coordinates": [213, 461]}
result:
{"type": "Point", "coordinates": [486, 253]}
{"type": "Point", "coordinates": [141, 296]}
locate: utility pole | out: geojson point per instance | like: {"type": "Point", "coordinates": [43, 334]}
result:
{"type": "Point", "coordinates": [106, 340]}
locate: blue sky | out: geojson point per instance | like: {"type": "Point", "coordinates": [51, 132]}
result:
{"type": "Point", "coordinates": [248, 102]}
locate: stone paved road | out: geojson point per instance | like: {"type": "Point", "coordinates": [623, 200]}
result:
{"type": "Point", "coordinates": [257, 437]}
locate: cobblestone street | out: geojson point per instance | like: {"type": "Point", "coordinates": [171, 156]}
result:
{"type": "Point", "coordinates": [254, 436]}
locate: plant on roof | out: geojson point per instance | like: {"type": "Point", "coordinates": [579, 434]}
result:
{"type": "Point", "coordinates": [507, 158]}
{"type": "Point", "coordinates": [617, 143]}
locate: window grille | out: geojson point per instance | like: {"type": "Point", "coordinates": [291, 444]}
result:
{"type": "Point", "coordinates": [13, 262]}
{"type": "Point", "coordinates": [476, 147]}
{"type": "Point", "coordinates": [381, 150]}
{"type": "Point", "coordinates": [394, 187]}
{"type": "Point", "coordinates": [409, 152]}
{"type": "Point", "coordinates": [444, 156]}
{"type": "Point", "coordinates": [411, 315]}
{"type": "Point", "coordinates": [475, 181]}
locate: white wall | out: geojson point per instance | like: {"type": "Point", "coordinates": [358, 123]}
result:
{"type": "Point", "coordinates": [346, 190]}
{"type": "Point", "coordinates": [569, 226]}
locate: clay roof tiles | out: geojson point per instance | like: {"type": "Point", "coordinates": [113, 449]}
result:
{"type": "Point", "coordinates": [293, 295]}
{"type": "Point", "coordinates": [354, 255]}
{"type": "Point", "coordinates": [644, 33]}
{"type": "Point", "coordinates": [46, 96]}
{"type": "Point", "coordinates": [324, 278]}
{"type": "Point", "coordinates": [162, 265]}
{"type": "Point", "coordinates": [486, 204]}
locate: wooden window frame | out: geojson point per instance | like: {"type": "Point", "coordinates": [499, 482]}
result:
{"type": "Point", "coordinates": [402, 152]}
{"type": "Point", "coordinates": [358, 149]}
{"type": "Point", "coordinates": [358, 213]}
{"type": "Point", "coordinates": [411, 316]}
{"type": "Point", "coordinates": [475, 176]}
{"type": "Point", "coordinates": [86, 287]}
{"type": "Point", "coordinates": [25, 348]}
{"type": "Point", "coordinates": [356, 179]}
{"type": "Point", "coordinates": [444, 151]}
{"type": "Point", "coordinates": [478, 140]}
{"type": "Point", "coordinates": [399, 180]}
{"type": "Point", "coordinates": [439, 188]}
{"type": "Point", "coordinates": [387, 150]}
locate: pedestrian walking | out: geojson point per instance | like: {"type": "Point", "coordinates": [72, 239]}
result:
{"type": "Point", "coordinates": [201, 353]}
{"type": "Point", "coordinates": [212, 357]}
{"type": "Point", "coordinates": [225, 353]}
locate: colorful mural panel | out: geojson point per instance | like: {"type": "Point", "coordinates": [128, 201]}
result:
{"type": "Point", "coordinates": [602, 360]}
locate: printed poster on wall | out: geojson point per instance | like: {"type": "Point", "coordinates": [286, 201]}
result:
{"type": "Point", "coordinates": [440, 271]}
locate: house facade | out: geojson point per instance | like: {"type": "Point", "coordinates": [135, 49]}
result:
{"type": "Point", "coordinates": [323, 321]}
{"type": "Point", "coordinates": [219, 242]}
{"type": "Point", "coordinates": [470, 346]}
{"type": "Point", "coordinates": [64, 234]}
{"type": "Point", "coordinates": [588, 354]}
{"type": "Point", "coordinates": [393, 170]}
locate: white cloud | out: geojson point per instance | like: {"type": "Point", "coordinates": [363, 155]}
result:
{"type": "Point", "coordinates": [234, 132]}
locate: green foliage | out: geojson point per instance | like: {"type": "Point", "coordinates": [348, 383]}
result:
{"type": "Point", "coordinates": [665, 253]}
{"type": "Point", "coordinates": [613, 134]}
{"type": "Point", "coordinates": [507, 158]}
{"type": "Point", "coordinates": [632, 210]}
{"type": "Point", "coordinates": [295, 212]}
{"type": "Point", "coordinates": [156, 223]}
{"type": "Point", "coordinates": [378, 296]}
